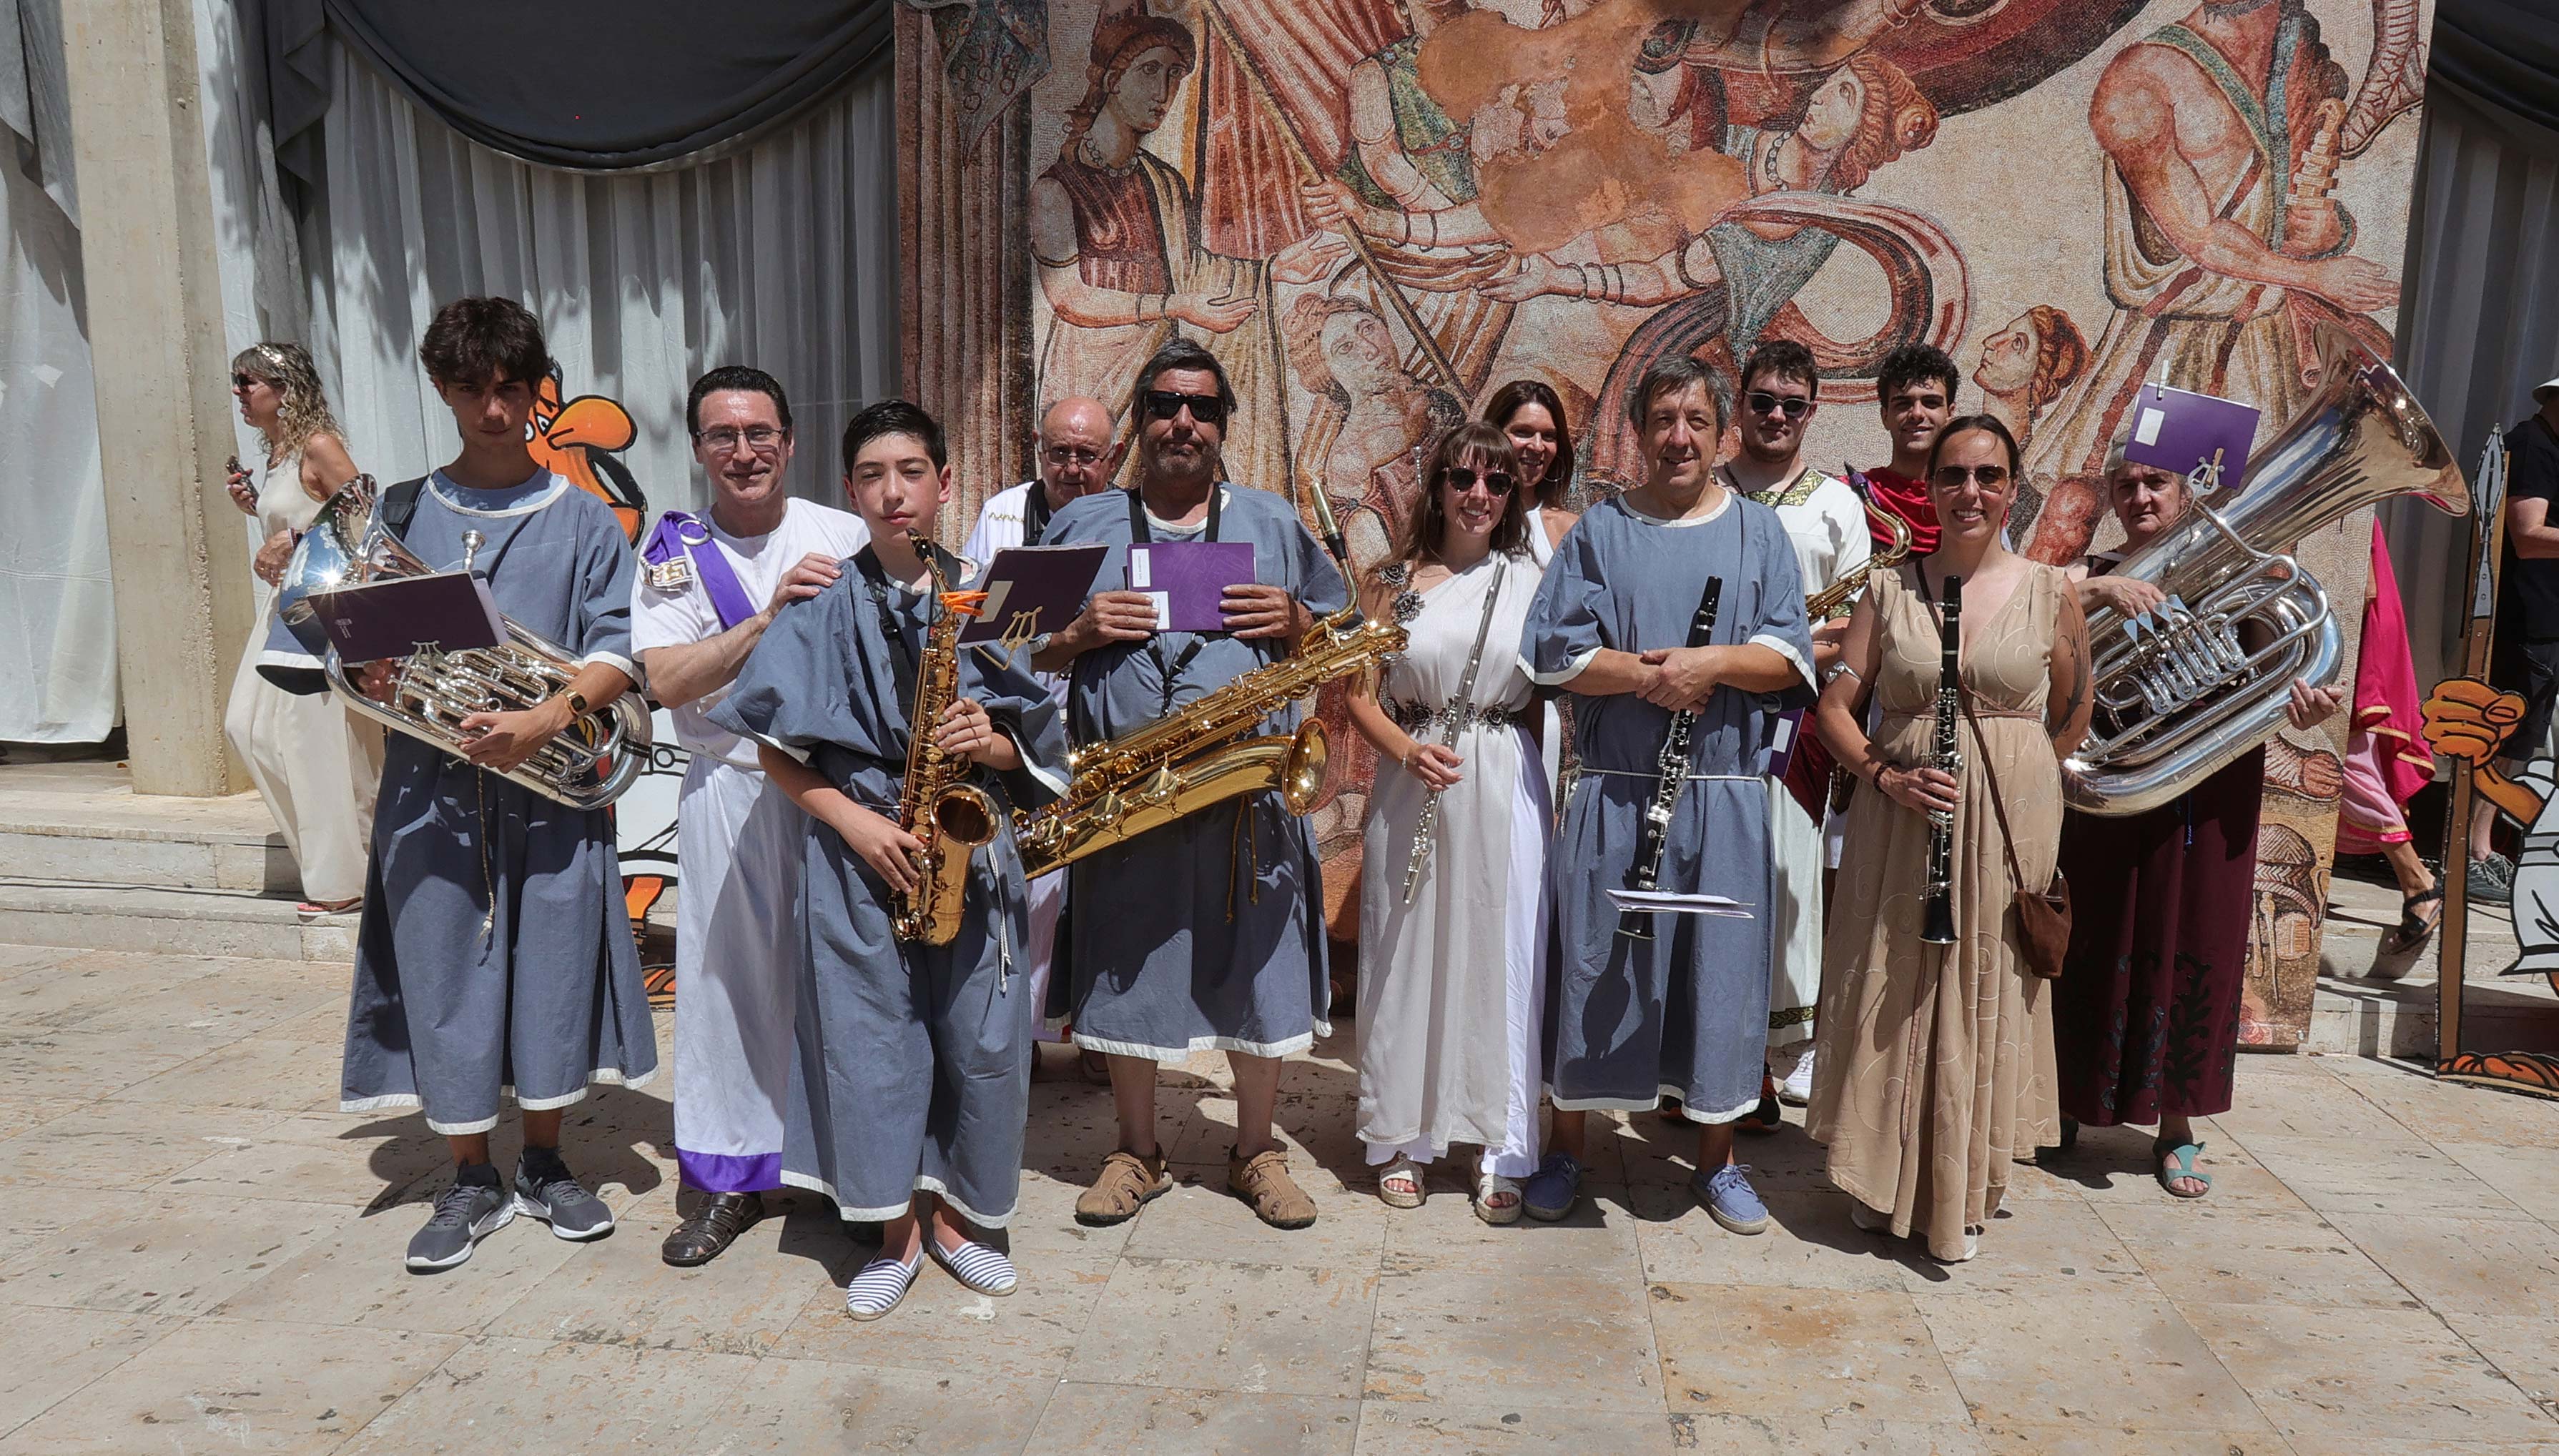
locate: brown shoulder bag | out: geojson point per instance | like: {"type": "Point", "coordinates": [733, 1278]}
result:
{"type": "Point", "coordinates": [2042, 916]}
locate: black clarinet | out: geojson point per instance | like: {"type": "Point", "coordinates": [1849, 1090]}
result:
{"type": "Point", "coordinates": [1655, 837]}
{"type": "Point", "coordinates": [1938, 919]}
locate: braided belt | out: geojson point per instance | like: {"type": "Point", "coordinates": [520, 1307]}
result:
{"type": "Point", "coordinates": [1416, 720]}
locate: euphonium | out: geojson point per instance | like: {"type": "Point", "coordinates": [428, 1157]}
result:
{"type": "Point", "coordinates": [1187, 761]}
{"type": "Point", "coordinates": [948, 815]}
{"type": "Point", "coordinates": [585, 766]}
{"type": "Point", "coordinates": [2189, 686]}
{"type": "Point", "coordinates": [1820, 605]}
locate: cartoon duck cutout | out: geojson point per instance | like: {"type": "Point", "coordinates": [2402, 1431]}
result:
{"type": "Point", "coordinates": [579, 440]}
{"type": "Point", "coordinates": [2468, 720]}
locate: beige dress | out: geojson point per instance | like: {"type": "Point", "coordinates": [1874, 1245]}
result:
{"type": "Point", "coordinates": [316, 767]}
{"type": "Point", "coordinates": [1936, 1064]}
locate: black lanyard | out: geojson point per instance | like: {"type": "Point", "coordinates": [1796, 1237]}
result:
{"type": "Point", "coordinates": [1036, 512]}
{"type": "Point", "coordinates": [902, 672]}
{"type": "Point", "coordinates": [1138, 532]}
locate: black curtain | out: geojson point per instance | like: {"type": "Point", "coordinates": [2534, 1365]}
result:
{"type": "Point", "coordinates": [2499, 55]}
{"type": "Point", "coordinates": [591, 85]}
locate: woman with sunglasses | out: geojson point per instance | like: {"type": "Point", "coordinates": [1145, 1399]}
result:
{"type": "Point", "coordinates": [1455, 847]}
{"type": "Point", "coordinates": [1936, 1063]}
{"type": "Point", "coordinates": [317, 769]}
{"type": "Point", "coordinates": [1532, 415]}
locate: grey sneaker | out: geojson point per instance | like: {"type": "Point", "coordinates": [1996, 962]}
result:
{"type": "Point", "coordinates": [2491, 880]}
{"type": "Point", "coordinates": [465, 1214]}
{"type": "Point", "coordinates": [546, 1189]}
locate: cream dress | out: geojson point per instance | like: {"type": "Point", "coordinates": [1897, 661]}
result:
{"type": "Point", "coordinates": [316, 767]}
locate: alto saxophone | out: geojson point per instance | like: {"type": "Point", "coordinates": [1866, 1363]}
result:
{"type": "Point", "coordinates": [1820, 605]}
{"type": "Point", "coordinates": [948, 815]}
{"type": "Point", "coordinates": [1187, 761]}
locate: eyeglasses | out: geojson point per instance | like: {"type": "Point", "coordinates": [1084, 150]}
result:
{"type": "Point", "coordinates": [1070, 455]}
{"type": "Point", "coordinates": [1795, 406]}
{"type": "Point", "coordinates": [1952, 477]}
{"type": "Point", "coordinates": [1460, 478]}
{"type": "Point", "coordinates": [726, 437]}
{"type": "Point", "coordinates": [1207, 409]}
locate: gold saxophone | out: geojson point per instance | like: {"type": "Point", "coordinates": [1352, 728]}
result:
{"type": "Point", "coordinates": [948, 815]}
{"type": "Point", "coordinates": [1187, 761]}
{"type": "Point", "coordinates": [1820, 605]}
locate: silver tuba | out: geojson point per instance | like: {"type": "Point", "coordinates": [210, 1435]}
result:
{"type": "Point", "coordinates": [2187, 687]}
{"type": "Point", "coordinates": [587, 766]}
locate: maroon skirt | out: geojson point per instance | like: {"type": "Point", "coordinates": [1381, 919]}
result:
{"type": "Point", "coordinates": [2146, 1014]}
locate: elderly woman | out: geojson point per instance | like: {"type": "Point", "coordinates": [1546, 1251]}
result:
{"type": "Point", "coordinates": [316, 768]}
{"type": "Point", "coordinates": [2146, 1015]}
{"type": "Point", "coordinates": [1934, 1063]}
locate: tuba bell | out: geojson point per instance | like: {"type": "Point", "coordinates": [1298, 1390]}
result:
{"type": "Point", "coordinates": [586, 767]}
{"type": "Point", "coordinates": [2183, 690]}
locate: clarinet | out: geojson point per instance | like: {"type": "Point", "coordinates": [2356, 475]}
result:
{"type": "Point", "coordinates": [1937, 917]}
{"type": "Point", "coordinates": [1655, 836]}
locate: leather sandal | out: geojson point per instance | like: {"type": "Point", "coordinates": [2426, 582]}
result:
{"type": "Point", "coordinates": [1126, 1184]}
{"type": "Point", "coordinates": [712, 1228]}
{"type": "Point", "coordinates": [2413, 928]}
{"type": "Point", "coordinates": [1262, 1181]}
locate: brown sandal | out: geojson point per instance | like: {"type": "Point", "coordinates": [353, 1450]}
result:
{"type": "Point", "coordinates": [1126, 1184]}
{"type": "Point", "coordinates": [1262, 1181]}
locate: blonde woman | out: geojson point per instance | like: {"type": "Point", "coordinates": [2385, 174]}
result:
{"type": "Point", "coordinates": [316, 768]}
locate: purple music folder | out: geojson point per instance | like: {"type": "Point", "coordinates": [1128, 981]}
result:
{"type": "Point", "coordinates": [2178, 430]}
{"type": "Point", "coordinates": [1186, 579]}
{"type": "Point", "coordinates": [1033, 590]}
{"type": "Point", "coordinates": [450, 609]}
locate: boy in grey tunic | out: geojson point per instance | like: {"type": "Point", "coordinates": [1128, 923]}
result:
{"type": "Point", "coordinates": [912, 1080]}
{"type": "Point", "coordinates": [1683, 1014]}
{"type": "Point", "coordinates": [495, 957]}
{"type": "Point", "coordinates": [1208, 932]}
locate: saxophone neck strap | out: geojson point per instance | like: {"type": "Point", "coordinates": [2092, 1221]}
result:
{"type": "Point", "coordinates": [1139, 531]}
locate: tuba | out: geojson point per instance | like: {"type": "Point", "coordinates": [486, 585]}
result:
{"type": "Point", "coordinates": [1187, 761]}
{"type": "Point", "coordinates": [948, 815]}
{"type": "Point", "coordinates": [2187, 687]}
{"type": "Point", "coordinates": [586, 767]}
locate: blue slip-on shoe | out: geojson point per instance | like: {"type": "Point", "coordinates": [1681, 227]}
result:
{"type": "Point", "coordinates": [1553, 1190]}
{"type": "Point", "coordinates": [1728, 1195]}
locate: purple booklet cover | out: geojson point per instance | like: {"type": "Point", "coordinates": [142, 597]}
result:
{"type": "Point", "coordinates": [1186, 579]}
{"type": "Point", "coordinates": [2179, 429]}
{"type": "Point", "coordinates": [450, 609]}
{"type": "Point", "coordinates": [1032, 590]}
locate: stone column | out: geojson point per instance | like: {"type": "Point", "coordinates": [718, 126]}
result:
{"type": "Point", "coordinates": [179, 554]}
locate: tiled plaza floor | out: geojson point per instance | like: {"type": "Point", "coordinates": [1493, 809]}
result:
{"type": "Point", "coordinates": [198, 1254]}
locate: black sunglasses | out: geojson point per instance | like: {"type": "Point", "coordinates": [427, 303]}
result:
{"type": "Point", "coordinates": [1208, 409]}
{"type": "Point", "coordinates": [242, 381]}
{"type": "Point", "coordinates": [1796, 407]}
{"type": "Point", "coordinates": [1462, 479]}
{"type": "Point", "coordinates": [1952, 477]}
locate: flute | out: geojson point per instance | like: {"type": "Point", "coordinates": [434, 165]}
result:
{"type": "Point", "coordinates": [1937, 917]}
{"type": "Point", "coordinates": [1460, 708]}
{"type": "Point", "coordinates": [1654, 836]}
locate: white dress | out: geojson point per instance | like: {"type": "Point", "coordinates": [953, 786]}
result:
{"type": "Point", "coordinates": [317, 767]}
{"type": "Point", "coordinates": [1450, 994]}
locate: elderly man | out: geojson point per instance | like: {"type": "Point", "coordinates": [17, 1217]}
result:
{"type": "Point", "coordinates": [1206, 933]}
{"type": "Point", "coordinates": [709, 590]}
{"type": "Point", "coordinates": [1077, 456]}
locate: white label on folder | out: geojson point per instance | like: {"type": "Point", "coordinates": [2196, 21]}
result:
{"type": "Point", "coordinates": [2146, 431]}
{"type": "Point", "coordinates": [994, 603]}
{"type": "Point", "coordinates": [1140, 576]}
{"type": "Point", "coordinates": [1161, 604]}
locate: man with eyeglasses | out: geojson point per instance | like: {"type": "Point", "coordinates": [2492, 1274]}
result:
{"type": "Point", "coordinates": [1077, 456]}
{"type": "Point", "coordinates": [1207, 933]}
{"type": "Point", "coordinates": [708, 587]}
{"type": "Point", "coordinates": [1781, 387]}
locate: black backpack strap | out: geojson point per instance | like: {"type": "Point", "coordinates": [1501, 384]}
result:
{"type": "Point", "coordinates": [398, 506]}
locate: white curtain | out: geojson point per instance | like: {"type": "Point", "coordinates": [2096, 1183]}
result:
{"type": "Point", "coordinates": [57, 679]}
{"type": "Point", "coordinates": [2481, 312]}
{"type": "Point", "coordinates": [783, 256]}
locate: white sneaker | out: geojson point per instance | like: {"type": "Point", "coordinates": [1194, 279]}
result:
{"type": "Point", "coordinates": [1795, 1088]}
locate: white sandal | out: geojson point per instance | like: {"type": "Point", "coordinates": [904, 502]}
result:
{"type": "Point", "coordinates": [1395, 1198]}
{"type": "Point", "coordinates": [1489, 1186]}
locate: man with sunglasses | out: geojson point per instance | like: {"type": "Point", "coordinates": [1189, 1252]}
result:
{"type": "Point", "coordinates": [708, 588]}
{"type": "Point", "coordinates": [1781, 387]}
{"type": "Point", "coordinates": [1207, 933]}
{"type": "Point", "coordinates": [1078, 456]}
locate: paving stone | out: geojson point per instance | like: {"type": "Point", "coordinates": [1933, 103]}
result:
{"type": "Point", "coordinates": [1747, 1351]}
{"type": "Point", "coordinates": [1201, 1220]}
{"type": "Point", "coordinates": [526, 1395]}
{"type": "Point", "coordinates": [52, 1353]}
{"type": "Point", "coordinates": [819, 1406]}
{"type": "Point", "coordinates": [2333, 1379]}
{"type": "Point", "coordinates": [1414, 1428]}
{"type": "Point", "coordinates": [1254, 1329]}
{"type": "Point", "coordinates": [2485, 1266]}
{"type": "Point", "coordinates": [164, 1254]}
{"type": "Point", "coordinates": [2200, 1253]}
{"type": "Point", "coordinates": [1555, 1341]}
{"type": "Point", "coordinates": [1139, 1420]}
{"type": "Point", "coordinates": [941, 1325]}
{"type": "Point", "coordinates": [2344, 1175]}
{"type": "Point", "coordinates": [2034, 1359]}
{"type": "Point", "coordinates": [116, 1145]}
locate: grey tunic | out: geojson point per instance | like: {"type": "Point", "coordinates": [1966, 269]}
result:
{"type": "Point", "coordinates": [912, 1070]}
{"type": "Point", "coordinates": [1684, 1014]}
{"type": "Point", "coordinates": [1209, 932]}
{"type": "Point", "coordinates": [495, 955]}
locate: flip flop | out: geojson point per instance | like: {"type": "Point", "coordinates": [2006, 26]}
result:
{"type": "Point", "coordinates": [2179, 1163]}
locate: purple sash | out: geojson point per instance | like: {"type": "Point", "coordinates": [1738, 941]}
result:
{"type": "Point", "coordinates": [679, 533]}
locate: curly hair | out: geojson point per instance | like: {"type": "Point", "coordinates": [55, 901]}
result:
{"type": "Point", "coordinates": [1894, 119]}
{"type": "Point", "coordinates": [305, 411]}
{"type": "Point", "coordinates": [2060, 357]}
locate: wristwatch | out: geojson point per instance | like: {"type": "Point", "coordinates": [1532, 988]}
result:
{"type": "Point", "coordinates": [576, 704]}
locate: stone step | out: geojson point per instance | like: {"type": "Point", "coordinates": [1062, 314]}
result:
{"type": "Point", "coordinates": [106, 916]}
{"type": "Point", "coordinates": [2359, 1014]}
{"type": "Point", "coordinates": [54, 826]}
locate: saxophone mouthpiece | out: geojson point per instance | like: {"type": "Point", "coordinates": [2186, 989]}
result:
{"type": "Point", "coordinates": [472, 541]}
